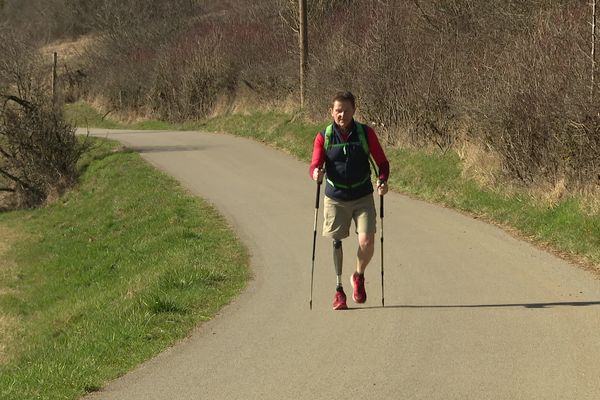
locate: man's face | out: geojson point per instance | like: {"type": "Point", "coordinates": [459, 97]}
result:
{"type": "Point", "coordinates": [342, 113]}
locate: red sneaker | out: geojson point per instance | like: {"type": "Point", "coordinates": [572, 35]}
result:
{"type": "Point", "coordinates": [339, 301]}
{"type": "Point", "coordinates": [359, 294]}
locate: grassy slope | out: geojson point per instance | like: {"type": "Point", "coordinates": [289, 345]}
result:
{"type": "Point", "coordinates": [565, 228]}
{"type": "Point", "coordinates": [116, 271]}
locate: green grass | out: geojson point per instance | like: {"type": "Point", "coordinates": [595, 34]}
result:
{"type": "Point", "coordinates": [116, 271]}
{"type": "Point", "coordinates": [437, 178]}
{"type": "Point", "coordinates": [83, 115]}
{"type": "Point", "coordinates": [277, 129]}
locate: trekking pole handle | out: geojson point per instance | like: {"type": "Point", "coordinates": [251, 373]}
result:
{"type": "Point", "coordinates": [319, 181]}
{"type": "Point", "coordinates": [318, 195]}
{"type": "Point", "coordinates": [381, 206]}
{"type": "Point", "coordinates": [312, 273]}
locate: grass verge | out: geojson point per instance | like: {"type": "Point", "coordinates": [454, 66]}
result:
{"type": "Point", "coordinates": [116, 271]}
{"type": "Point", "coordinates": [83, 115]}
{"type": "Point", "coordinates": [564, 228]}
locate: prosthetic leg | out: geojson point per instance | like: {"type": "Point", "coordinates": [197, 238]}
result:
{"type": "Point", "coordinates": [338, 260]}
{"type": "Point", "coordinates": [339, 301]}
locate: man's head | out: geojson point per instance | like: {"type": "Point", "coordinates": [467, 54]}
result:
{"type": "Point", "coordinates": [342, 109]}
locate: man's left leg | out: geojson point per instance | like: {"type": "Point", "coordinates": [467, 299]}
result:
{"type": "Point", "coordinates": [366, 248]}
{"type": "Point", "coordinates": [365, 218]}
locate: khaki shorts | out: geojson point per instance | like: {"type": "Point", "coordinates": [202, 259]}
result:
{"type": "Point", "coordinates": [340, 214]}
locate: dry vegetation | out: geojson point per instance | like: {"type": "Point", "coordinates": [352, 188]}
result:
{"type": "Point", "coordinates": [507, 83]}
{"type": "Point", "coordinates": [9, 324]}
{"type": "Point", "coordinates": [38, 149]}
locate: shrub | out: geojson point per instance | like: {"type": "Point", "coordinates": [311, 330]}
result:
{"type": "Point", "coordinates": [511, 75]}
{"type": "Point", "coordinates": [38, 149]}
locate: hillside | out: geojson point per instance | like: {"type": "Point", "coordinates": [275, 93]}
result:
{"type": "Point", "coordinates": [508, 81]}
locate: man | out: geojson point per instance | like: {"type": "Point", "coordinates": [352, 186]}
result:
{"type": "Point", "coordinates": [345, 148]}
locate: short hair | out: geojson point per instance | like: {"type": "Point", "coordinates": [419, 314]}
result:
{"type": "Point", "coordinates": [344, 96]}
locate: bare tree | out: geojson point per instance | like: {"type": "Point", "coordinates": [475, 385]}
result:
{"type": "Point", "coordinates": [303, 42]}
{"type": "Point", "coordinates": [593, 55]}
{"type": "Point", "coordinates": [38, 148]}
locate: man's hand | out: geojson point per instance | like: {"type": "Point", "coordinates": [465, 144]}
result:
{"type": "Point", "coordinates": [318, 174]}
{"type": "Point", "coordinates": [382, 187]}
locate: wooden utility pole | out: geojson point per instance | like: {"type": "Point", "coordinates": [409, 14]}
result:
{"type": "Point", "coordinates": [54, 64]}
{"type": "Point", "coordinates": [303, 19]}
{"type": "Point", "coordinates": [592, 86]}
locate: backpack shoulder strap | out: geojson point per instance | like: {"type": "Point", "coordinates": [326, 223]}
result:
{"type": "Point", "coordinates": [328, 133]}
{"type": "Point", "coordinates": [362, 136]}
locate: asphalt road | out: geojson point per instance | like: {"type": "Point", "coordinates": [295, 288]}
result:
{"type": "Point", "coordinates": [471, 312]}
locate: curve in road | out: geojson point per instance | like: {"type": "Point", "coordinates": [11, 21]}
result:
{"type": "Point", "coordinates": [471, 312]}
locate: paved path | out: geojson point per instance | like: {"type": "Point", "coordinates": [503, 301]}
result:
{"type": "Point", "coordinates": [471, 313]}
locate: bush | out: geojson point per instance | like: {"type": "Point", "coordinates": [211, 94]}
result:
{"type": "Point", "coordinates": [511, 75]}
{"type": "Point", "coordinates": [539, 116]}
{"type": "Point", "coordinates": [38, 149]}
{"type": "Point", "coordinates": [191, 74]}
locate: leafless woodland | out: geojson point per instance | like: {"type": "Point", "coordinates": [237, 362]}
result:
{"type": "Point", "coordinates": [514, 79]}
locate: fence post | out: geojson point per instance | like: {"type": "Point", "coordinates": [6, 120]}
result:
{"type": "Point", "coordinates": [303, 19]}
{"type": "Point", "coordinates": [54, 73]}
{"type": "Point", "coordinates": [593, 56]}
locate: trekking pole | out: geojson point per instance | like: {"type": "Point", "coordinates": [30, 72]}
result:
{"type": "Point", "coordinates": [312, 272]}
{"type": "Point", "coordinates": [381, 213]}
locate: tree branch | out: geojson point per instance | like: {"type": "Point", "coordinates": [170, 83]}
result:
{"type": "Point", "coordinates": [21, 102]}
{"type": "Point", "coordinates": [425, 16]}
{"type": "Point", "coordinates": [18, 180]}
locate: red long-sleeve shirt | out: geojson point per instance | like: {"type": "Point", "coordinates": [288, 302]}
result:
{"type": "Point", "coordinates": [318, 155]}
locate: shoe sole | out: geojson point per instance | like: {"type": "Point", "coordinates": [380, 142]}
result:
{"type": "Point", "coordinates": [354, 298]}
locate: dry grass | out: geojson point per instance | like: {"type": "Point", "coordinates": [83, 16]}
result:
{"type": "Point", "coordinates": [7, 238]}
{"type": "Point", "coordinates": [6, 202]}
{"type": "Point", "coordinates": [479, 164]}
{"type": "Point", "coordinates": [68, 51]}
{"type": "Point", "coordinates": [549, 194]}
{"type": "Point", "coordinates": [590, 203]}
{"type": "Point", "coordinates": [8, 324]}
{"type": "Point", "coordinates": [8, 327]}
{"type": "Point", "coordinates": [243, 101]}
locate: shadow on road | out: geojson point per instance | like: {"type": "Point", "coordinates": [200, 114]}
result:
{"type": "Point", "coordinates": [164, 149]}
{"type": "Point", "coordinates": [501, 305]}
